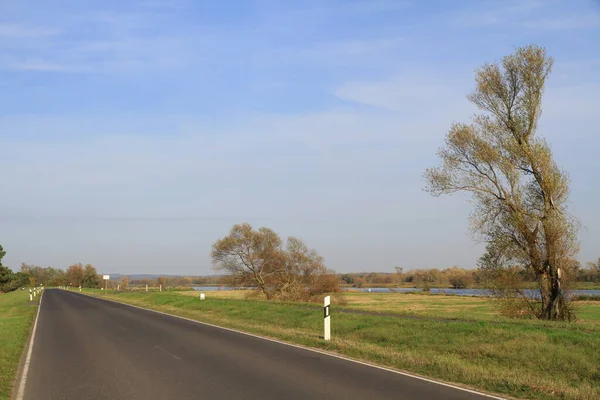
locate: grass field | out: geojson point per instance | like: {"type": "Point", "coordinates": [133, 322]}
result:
{"type": "Point", "coordinates": [424, 305]}
{"type": "Point", "coordinates": [523, 359]}
{"type": "Point", "coordinates": [440, 285]}
{"type": "Point", "coordinates": [16, 318]}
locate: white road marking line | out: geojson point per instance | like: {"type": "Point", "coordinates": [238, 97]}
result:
{"type": "Point", "coordinates": [21, 391]}
{"type": "Point", "coordinates": [310, 349]}
{"type": "Point", "coordinates": [167, 351]}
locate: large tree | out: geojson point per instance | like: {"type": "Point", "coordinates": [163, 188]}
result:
{"type": "Point", "coordinates": [519, 191]}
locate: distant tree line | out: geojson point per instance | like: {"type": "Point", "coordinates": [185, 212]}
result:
{"type": "Point", "coordinates": [457, 278]}
{"type": "Point", "coordinates": [589, 272]}
{"type": "Point", "coordinates": [175, 281]}
{"type": "Point", "coordinates": [75, 275]}
{"type": "Point", "coordinates": [32, 275]}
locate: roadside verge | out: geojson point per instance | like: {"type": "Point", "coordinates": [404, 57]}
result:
{"type": "Point", "coordinates": [17, 315]}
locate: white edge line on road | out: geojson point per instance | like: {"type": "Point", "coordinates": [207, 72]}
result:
{"type": "Point", "coordinates": [21, 391]}
{"type": "Point", "coordinates": [330, 354]}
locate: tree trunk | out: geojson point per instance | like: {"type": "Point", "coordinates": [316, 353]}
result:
{"type": "Point", "coordinates": [263, 288]}
{"type": "Point", "coordinates": [554, 304]}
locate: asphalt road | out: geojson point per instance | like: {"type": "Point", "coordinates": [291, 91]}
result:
{"type": "Point", "coordinates": [87, 348]}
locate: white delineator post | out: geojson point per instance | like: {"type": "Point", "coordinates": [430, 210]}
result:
{"type": "Point", "coordinates": [327, 318]}
{"type": "Point", "coordinates": [201, 296]}
{"type": "Point", "coordinates": [80, 288]}
{"type": "Point", "coordinates": [118, 287]}
{"type": "Point", "coordinates": [146, 287]}
{"type": "Point", "coordinates": [160, 288]}
{"type": "Point", "coordinates": [30, 295]}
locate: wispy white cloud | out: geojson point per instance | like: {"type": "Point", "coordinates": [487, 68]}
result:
{"type": "Point", "coordinates": [412, 94]}
{"type": "Point", "coordinates": [349, 50]}
{"type": "Point", "coordinates": [482, 15]}
{"type": "Point", "coordinates": [40, 65]}
{"type": "Point", "coordinates": [18, 31]}
{"type": "Point", "coordinates": [164, 4]}
{"type": "Point", "coordinates": [309, 11]}
{"type": "Point", "coordinates": [575, 107]}
{"type": "Point", "coordinates": [566, 22]}
{"type": "Point", "coordinates": [527, 14]}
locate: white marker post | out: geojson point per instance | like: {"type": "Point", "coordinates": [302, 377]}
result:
{"type": "Point", "coordinates": [118, 286]}
{"type": "Point", "coordinates": [30, 295]}
{"type": "Point", "coordinates": [202, 296]}
{"type": "Point", "coordinates": [79, 288]}
{"type": "Point", "coordinates": [146, 287]}
{"type": "Point", "coordinates": [160, 288]}
{"type": "Point", "coordinates": [327, 318]}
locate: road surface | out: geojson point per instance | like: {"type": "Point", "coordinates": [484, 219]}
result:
{"type": "Point", "coordinates": [87, 348]}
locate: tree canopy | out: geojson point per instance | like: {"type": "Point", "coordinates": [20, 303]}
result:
{"type": "Point", "coordinates": [519, 191]}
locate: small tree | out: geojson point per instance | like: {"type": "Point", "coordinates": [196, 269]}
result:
{"type": "Point", "coordinates": [256, 257]}
{"type": "Point", "coordinates": [91, 279]}
{"type": "Point", "coordinates": [162, 282]}
{"type": "Point", "coordinates": [520, 192]}
{"type": "Point", "coordinates": [9, 280]}
{"type": "Point", "coordinates": [74, 275]}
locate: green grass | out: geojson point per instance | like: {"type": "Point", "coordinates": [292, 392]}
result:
{"type": "Point", "coordinates": [16, 318]}
{"type": "Point", "coordinates": [523, 359]}
{"type": "Point", "coordinates": [585, 286]}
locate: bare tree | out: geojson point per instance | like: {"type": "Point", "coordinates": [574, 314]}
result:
{"type": "Point", "coordinates": [301, 268]}
{"type": "Point", "coordinates": [251, 256]}
{"type": "Point", "coordinates": [519, 191]}
{"type": "Point", "coordinates": [161, 281]}
{"type": "Point", "coordinates": [256, 257]}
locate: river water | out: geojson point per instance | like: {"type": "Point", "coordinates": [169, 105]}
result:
{"type": "Point", "coordinates": [462, 292]}
{"type": "Point", "coordinates": [457, 292]}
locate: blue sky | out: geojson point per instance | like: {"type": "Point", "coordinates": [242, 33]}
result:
{"type": "Point", "coordinates": [134, 134]}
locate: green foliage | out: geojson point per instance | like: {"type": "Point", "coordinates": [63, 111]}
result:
{"type": "Point", "coordinates": [586, 297]}
{"type": "Point", "coordinates": [5, 276]}
{"type": "Point", "coordinates": [10, 281]}
{"type": "Point", "coordinates": [91, 279]}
